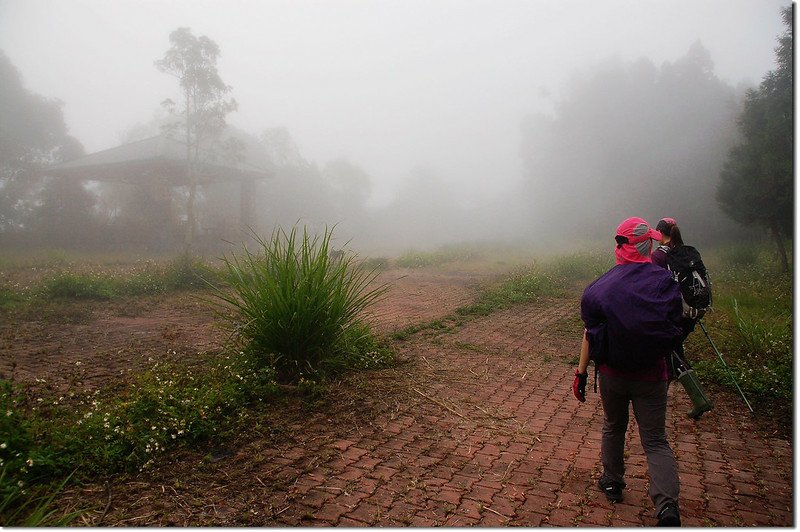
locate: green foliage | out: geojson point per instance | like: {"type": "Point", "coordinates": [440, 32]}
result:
{"type": "Point", "coordinates": [16, 442]}
{"type": "Point", "coordinates": [585, 266]}
{"type": "Point", "coordinates": [182, 274]}
{"type": "Point", "coordinates": [751, 324]}
{"type": "Point", "coordinates": [187, 273]}
{"type": "Point", "coordinates": [766, 336]}
{"type": "Point", "coordinates": [376, 263]}
{"type": "Point", "coordinates": [33, 135]}
{"type": "Point", "coordinates": [165, 407]}
{"type": "Point", "coordinates": [32, 507]}
{"type": "Point", "coordinates": [521, 285]}
{"type": "Point", "coordinates": [740, 255]}
{"type": "Point", "coordinates": [443, 255]}
{"type": "Point", "coordinates": [757, 183]}
{"type": "Point", "coordinates": [296, 308]}
{"type": "Point", "coordinates": [8, 297]}
{"type": "Point", "coordinates": [530, 282]}
{"type": "Point", "coordinates": [79, 286]}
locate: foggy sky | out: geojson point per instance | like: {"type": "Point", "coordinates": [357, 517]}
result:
{"type": "Point", "coordinates": [390, 85]}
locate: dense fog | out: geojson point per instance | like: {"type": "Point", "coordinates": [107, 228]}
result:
{"type": "Point", "coordinates": [407, 124]}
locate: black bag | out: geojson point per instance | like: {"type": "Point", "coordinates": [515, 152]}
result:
{"type": "Point", "coordinates": [688, 269]}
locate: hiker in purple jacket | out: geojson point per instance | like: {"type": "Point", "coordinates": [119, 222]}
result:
{"type": "Point", "coordinates": [631, 316]}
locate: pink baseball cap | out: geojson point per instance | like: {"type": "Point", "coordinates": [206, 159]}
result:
{"type": "Point", "coordinates": [665, 224]}
{"type": "Point", "coordinates": [634, 237]}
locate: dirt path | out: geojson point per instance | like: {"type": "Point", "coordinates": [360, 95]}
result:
{"type": "Point", "coordinates": [475, 426]}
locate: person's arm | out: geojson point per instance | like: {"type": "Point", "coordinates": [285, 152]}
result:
{"type": "Point", "coordinates": [583, 361]}
{"type": "Point", "coordinates": [581, 375]}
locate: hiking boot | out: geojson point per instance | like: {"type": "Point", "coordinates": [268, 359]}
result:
{"type": "Point", "coordinates": [698, 411]}
{"type": "Point", "coordinates": [669, 516]}
{"type": "Point", "coordinates": [611, 489]}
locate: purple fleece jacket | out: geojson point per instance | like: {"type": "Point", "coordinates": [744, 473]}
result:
{"type": "Point", "coordinates": [633, 311]}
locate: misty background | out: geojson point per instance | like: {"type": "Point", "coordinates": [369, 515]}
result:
{"type": "Point", "coordinates": [410, 124]}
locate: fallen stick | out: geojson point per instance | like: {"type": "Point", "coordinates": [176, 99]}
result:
{"type": "Point", "coordinates": [440, 404]}
{"type": "Point", "coordinates": [496, 512]}
{"type": "Point", "coordinates": [108, 505]}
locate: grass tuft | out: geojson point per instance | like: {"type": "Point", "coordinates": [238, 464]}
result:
{"type": "Point", "coordinates": [297, 309]}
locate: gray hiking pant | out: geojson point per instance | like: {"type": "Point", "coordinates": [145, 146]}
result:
{"type": "Point", "coordinates": [650, 408]}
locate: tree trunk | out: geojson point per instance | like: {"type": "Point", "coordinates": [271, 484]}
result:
{"type": "Point", "coordinates": [776, 234]}
{"type": "Point", "coordinates": [190, 177]}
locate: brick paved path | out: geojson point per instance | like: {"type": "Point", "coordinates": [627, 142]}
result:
{"type": "Point", "coordinates": [483, 431]}
{"type": "Point", "coordinates": [494, 437]}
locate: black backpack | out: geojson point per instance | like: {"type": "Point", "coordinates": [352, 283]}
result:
{"type": "Point", "coordinates": [688, 269]}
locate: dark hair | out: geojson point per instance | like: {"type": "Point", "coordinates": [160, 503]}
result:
{"type": "Point", "coordinates": [675, 238]}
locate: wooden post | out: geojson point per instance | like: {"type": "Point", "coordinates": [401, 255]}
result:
{"type": "Point", "coordinates": [248, 201]}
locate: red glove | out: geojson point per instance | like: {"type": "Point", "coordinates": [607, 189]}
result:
{"type": "Point", "coordinates": [579, 385]}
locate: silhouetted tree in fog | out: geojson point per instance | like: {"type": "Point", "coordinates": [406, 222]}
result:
{"type": "Point", "coordinates": [33, 135]}
{"type": "Point", "coordinates": [298, 191]}
{"type": "Point", "coordinates": [350, 186]}
{"type": "Point", "coordinates": [632, 138]}
{"type": "Point", "coordinates": [757, 183]}
{"type": "Point", "coordinates": [193, 60]}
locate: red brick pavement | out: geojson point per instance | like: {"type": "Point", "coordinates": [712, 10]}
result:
{"type": "Point", "coordinates": [491, 436]}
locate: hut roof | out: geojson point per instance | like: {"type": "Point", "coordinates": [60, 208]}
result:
{"type": "Point", "coordinates": [157, 156]}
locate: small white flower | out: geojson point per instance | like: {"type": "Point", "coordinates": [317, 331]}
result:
{"type": "Point", "coordinates": [3, 445]}
{"type": "Point", "coordinates": [30, 462]}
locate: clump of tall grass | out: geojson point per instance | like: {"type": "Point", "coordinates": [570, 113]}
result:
{"type": "Point", "coordinates": [297, 308]}
{"type": "Point", "coordinates": [33, 507]}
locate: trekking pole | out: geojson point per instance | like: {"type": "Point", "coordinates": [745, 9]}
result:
{"type": "Point", "coordinates": [726, 366]}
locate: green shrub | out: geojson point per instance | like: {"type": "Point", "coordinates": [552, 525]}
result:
{"type": "Point", "coordinates": [296, 308]}
{"type": "Point", "coordinates": [167, 405]}
{"type": "Point", "coordinates": [186, 273]}
{"type": "Point", "coordinates": [9, 297]}
{"type": "Point", "coordinates": [182, 274]}
{"type": "Point", "coordinates": [17, 457]}
{"type": "Point", "coordinates": [376, 263]}
{"type": "Point", "coordinates": [79, 286]}
{"type": "Point", "coordinates": [415, 259]}
{"type": "Point", "coordinates": [751, 324]}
